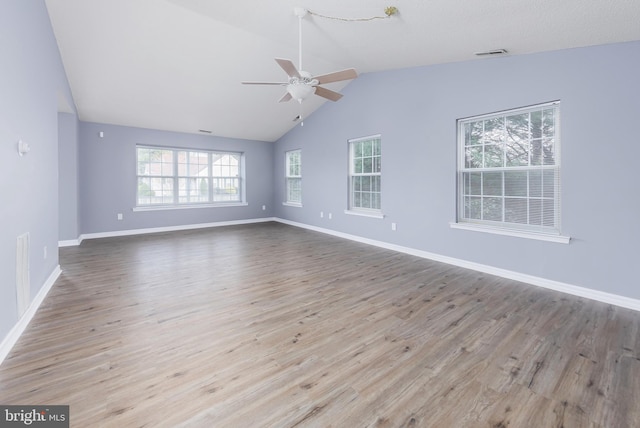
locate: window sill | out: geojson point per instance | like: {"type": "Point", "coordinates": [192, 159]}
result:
{"type": "Point", "coordinates": [561, 239]}
{"type": "Point", "coordinates": [188, 207]}
{"type": "Point", "coordinates": [292, 204]}
{"type": "Point", "coordinates": [371, 214]}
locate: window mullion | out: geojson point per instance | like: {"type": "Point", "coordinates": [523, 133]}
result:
{"type": "Point", "coordinates": [210, 176]}
{"type": "Point", "coordinates": [176, 188]}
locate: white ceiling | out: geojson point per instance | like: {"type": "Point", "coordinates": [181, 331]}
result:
{"type": "Point", "coordinates": [177, 64]}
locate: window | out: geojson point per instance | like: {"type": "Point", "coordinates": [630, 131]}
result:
{"type": "Point", "coordinates": [226, 177]}
{"type": "Point", "coordinates": [509, 170]}
{"type": "Point", "coordinates": [365, 175]}
{"type": "Point", "coordinates": [193, 177]}
{"type": "Point", "coordinates": [293, 177]}
{"type": "Point", "coordinates": [187, 177]}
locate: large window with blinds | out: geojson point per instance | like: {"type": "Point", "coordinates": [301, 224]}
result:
{"type": "Point", "coordinates": [171, 177]}
{"type": "Point", "coordinates": [509, 170]}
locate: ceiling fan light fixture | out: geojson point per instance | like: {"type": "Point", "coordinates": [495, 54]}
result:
{"type": "Point", "coordinates": [300, 91]}
{"type": "Point", "coordinates": [301, 84]}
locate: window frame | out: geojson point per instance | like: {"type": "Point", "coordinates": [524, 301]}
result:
{"type": "Point", "coordinates": [176, 178]}
{"type": "Point", "coordinates": [465, 219]}
{"type": "Point", "coordinates": [353, 209]}
{"type": "Point", "coordinates": [292, 177]}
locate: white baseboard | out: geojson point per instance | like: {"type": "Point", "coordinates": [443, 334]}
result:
{"type": "Point", "coordinates": [129, 232]}
{"type": "Point", "coordinates": [601, 296]}
{"type": "Point", "coordinates": [17, 330]}
{"type": "Point", "coordinates": [70, 243]}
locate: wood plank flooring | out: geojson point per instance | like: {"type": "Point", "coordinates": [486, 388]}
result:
{"type": "Point", "coordinates": [269, 325]}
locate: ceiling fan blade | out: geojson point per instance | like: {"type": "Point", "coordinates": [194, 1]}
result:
{"type": "Point", "coordinates": [286, 97]}
{"type": "Point", "coordinates": [288, 67]}
{"type": "Point", "coordinates": [265, 83]}
{"type": "Point", "coordinates": [328, 93]}
{"type": "Point", "coordinates": [337, 76]}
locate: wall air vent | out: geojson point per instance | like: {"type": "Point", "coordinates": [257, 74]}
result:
{"type": "Point", "coordinates": [491, 52]}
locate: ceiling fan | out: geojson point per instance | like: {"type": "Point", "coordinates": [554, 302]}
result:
{"type": "Point", "coordinates": [301, 84]}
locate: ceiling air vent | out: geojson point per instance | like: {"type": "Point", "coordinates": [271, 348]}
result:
{"type": "Point", "coordinates": [492, 52]}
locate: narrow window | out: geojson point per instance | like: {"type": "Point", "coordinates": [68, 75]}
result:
{"type": "Point", "coordinates": [365, 175]}
{"type": "Point", "coordinates": [193, 177]}
{"type": "Point", "coordinates": [226, 177]}
{"type": "Point", "coordinates": [293, 177]}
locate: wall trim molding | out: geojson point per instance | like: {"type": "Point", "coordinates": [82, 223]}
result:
{"type": "Point", "coordinates": [70, 243]}
{"type": "Point", "coordinates": [600, 296]}
{"type": "Point", "coordinates": [14, 334]}
{"type": "Point", "coordinates": [129, 232]}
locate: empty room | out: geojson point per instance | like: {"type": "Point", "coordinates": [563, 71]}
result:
{"type": "Point", "coordinates": [319, 214]}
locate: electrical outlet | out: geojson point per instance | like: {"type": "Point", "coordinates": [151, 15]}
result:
{"type": "Point", "coordinates": [393, 226]}
{"type": "Point", "coordinates": [321, 214]}
{"type": "Point", "coordinates": [330, 216]}
{"type": "Point", "coordinates": [264, 207]}
{"type": "Point", "coordinates": [119, 216]}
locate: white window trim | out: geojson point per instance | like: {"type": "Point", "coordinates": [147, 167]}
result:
{"type": "Point", "coordinates": [499, 229]}
{"type": "Point", "coordinates": [292, 204]}
{"type": "Point", "coordinates": [561, 239]}
{"type": "Point", "coordinates": [363, 212]}
{"type": "Point", "coordinates": [188, 206]}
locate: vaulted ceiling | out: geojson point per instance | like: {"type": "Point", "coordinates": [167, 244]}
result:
{"type": "Point", "coordinates": [177, 64]}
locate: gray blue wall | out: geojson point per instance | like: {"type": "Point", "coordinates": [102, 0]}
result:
{"type": "Point", "coordinates": [108, 179]}
{"type": "Point", "coordinates": [68, 181]}
{"type": "Point", "coordinates": [32, 82]}
{"type": "Point", "coordinates": [416, 110]}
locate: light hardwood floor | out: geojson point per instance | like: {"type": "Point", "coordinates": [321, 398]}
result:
{"type": "Point", "coordinates": [269, 325]}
